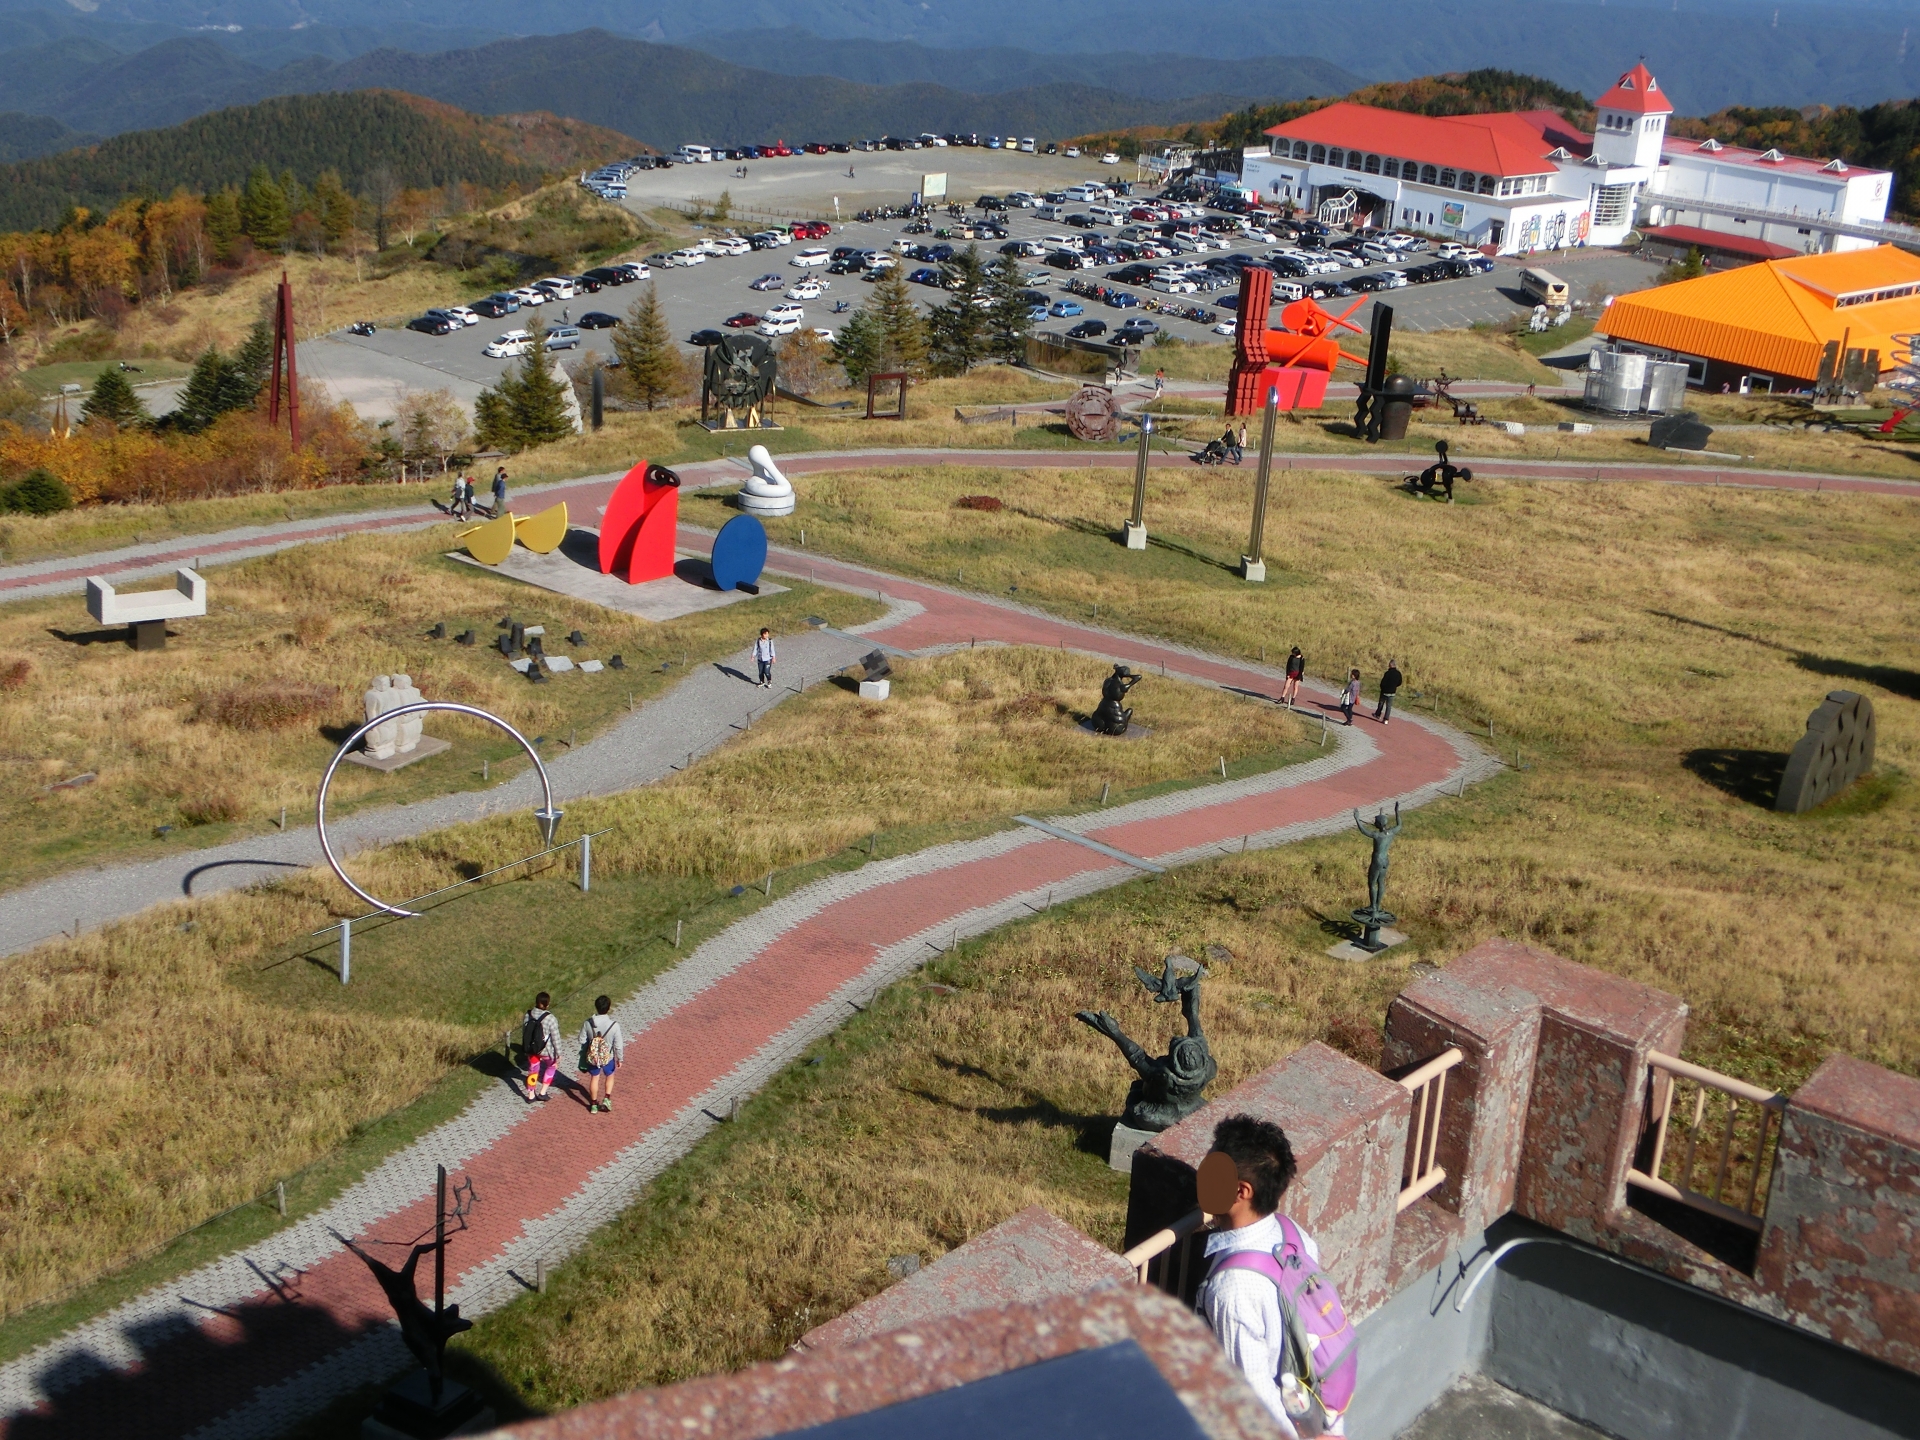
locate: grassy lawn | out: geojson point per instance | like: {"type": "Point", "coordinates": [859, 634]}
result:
{"type": "Point", "coordinates": [238, 1058]}
{"type": "Point", "coordinates": [1463, 354]}
{"type": "Point", "coordinates": [240, 713]}
{"type": "Point", "coordinates": [47, 379]}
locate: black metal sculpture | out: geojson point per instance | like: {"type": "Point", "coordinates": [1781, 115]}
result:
{"type": "Point", "coordinates": [739, 376]}
{"type": "Point", "coordinates": [1437, 479]}
{"type": "Point", "coordinates": [1169, 1088]}
{"type": "Point", "coordinates": [1108, 717]}
{"type": "Point", "coordinates": [1374, 914]}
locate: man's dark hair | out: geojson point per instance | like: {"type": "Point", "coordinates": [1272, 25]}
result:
{"type": "Point", "coordinates": [1260, 1152]}
{"type": "Point", "coordinates": [542, 1000]}
{"type": "Point", "coordinates": [603, 1004]}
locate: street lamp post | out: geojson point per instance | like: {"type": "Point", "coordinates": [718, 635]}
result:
{"type": "Point", "coordinates": [1253, 565]}
{"type": "Point", "coordinates": [1136, 528]}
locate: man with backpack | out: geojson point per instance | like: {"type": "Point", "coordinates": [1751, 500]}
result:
{"type": "Point", "coordinates": [1273, 1309]}
{"type": "Point", "coordinates": [601, 1046]}
{"type": "Point", "coordinates": [540, 1046]}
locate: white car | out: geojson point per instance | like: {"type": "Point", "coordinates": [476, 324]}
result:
{"type": "Point", "coordinates": [527, 295]}
{"type": "Point", "coordinates": [769, 325]}
{"type": "Point", "coordinates": [514, 342]}
{"type": "Point", "coordinates": [731, 245]}
{"type": "Point", "coordinates": [1263, 237]}
{"type": "Point", "coordinates": [1226, 327]}
{"type": "Point", "coordinates": [821, 331]}
{"type": "Point", "coordinates": [1185, 244]}
{"type": "Point", "coordinates": [1022, 200]}
{"type": "Point", "coordinates": [1394, 279]}
{"type": "Point", "coordinates": [1072, 152]}
{"type": "Point", "coordinates": [815, 256]}
{"type": "Point", "coordinates": [558, 286]}
{"type": "Point", "coordinates": [785, 310]}
{"type": "Point", "coordinates": [1109, 158]}
{"type": "Point", "coordinates": [1170, 284]}
{"type": "Point", "coordinates": [688, 256]}
{"type": "Point", "coordinates": [774, 237]}
{"type": "Point", "coordinates": [463, 314]}
{"type": "Point", "coordinates": [808, 289]}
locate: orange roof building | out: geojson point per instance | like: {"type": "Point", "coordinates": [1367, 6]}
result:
{"type": "Point", "coordinates": [1770, 322]}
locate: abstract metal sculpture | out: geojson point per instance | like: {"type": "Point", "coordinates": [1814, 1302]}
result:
{"type": "Point", "coordinates": [492, 542]}
{"type": "Point", "coordinates": [1437, 479]}
{"type": "Point", "coordinates": [1169, 1088]}
{"type": "Point", "coordinates": [146, 614]}
{"type": "Point", "coordinates": [1836, 751]}
{"type": "Point", "coordinates": [1093, 414]}
{"type": "Point", "coordinates": [766, 491]}
{"type": "Point", "coordinates": [1108, 717]}
{"type": "Point", "coordinates": [739, 376]}
{"type": "Point", "coordinates": [1297, 361]}
{"type": "Point", "coordinates": [641, 523]}
{"type": "Point", "coordinates": [739, 553]}
{"type": "Point", "coordinates": [1374, 914]}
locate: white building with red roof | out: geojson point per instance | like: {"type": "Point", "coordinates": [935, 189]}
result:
{"type": "Point", "coordinates": [1522, 181]}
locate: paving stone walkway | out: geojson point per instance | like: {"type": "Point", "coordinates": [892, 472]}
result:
{"type": "Point", "coordinates": [247, 1345]}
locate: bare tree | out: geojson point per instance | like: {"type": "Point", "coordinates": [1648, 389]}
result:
{"type": "Point", "coordinates": [383, 193]}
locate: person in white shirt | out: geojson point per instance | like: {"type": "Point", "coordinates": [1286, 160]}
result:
{"type": "Point", "coordinates": [602, 1044]}
{"type": "Point", "coordinates": [763, 653]}
{"type": "Point", "coordinates": [1243, 1306]}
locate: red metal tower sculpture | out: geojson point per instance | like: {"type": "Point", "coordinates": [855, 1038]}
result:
{"type": "Point", "coordinates": [283, 340]}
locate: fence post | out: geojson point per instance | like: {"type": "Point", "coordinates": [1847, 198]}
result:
{"type": "Point", "coordinates": [280, 1197]}
{"type": "Point", "coordinates": [346, 950]}
{"type": "Point", "coordinates": [586, 863]}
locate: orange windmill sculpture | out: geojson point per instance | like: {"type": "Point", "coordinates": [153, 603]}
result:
{"type": "Point", "coordinates": [1296, 361]}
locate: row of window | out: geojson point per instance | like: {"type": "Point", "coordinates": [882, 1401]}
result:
{"type": "Point", "coordinates": [1873, 297]}
{"type": "Point", "coordinates": [1609, 120]}
{"type": "Point", "coordinates": [1411, 170]}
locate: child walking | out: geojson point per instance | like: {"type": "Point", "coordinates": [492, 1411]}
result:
{"type": "Point", "coordinates": [763, 654]}
{"type": "Point", "coordinates": [540, 1042]}
{"type": "Point", "coordinates": [601, 1046]}
{"type": "Point", "coordinates": [1296, 668]}
{"type": "Point", "coordinates": [1350, 696]}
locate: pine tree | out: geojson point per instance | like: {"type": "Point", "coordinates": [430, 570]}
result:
{"type": "Point", "coordinates": [263, 210]}
{"type": "Point", "coordinates": [903, 331]}
{"type": "Point", "coordinates": [223, 221]}
{"type": "Point", "coordinates": [957, 330]}
{"type": "Point", "coordinates": [254, 359]}
{"type": "Point", "coordinates": [860, 346]}
{"type": "Point", "coordinates": [528, 405]}
{"type": "Point", "coordinates": [112, 398]}
{"type": "Point", "coordinates": [649, 360]}
{"type": "Point", "coordinates": [216, 386]}
{"type": "Point", "coordinates": [1010, 318]}
{"type": "Point", "coordinates": [334, 206]}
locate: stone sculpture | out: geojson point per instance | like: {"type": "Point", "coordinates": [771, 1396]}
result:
{"type": "Point", "coordinates": [1169, 1088]}
{"type": "Point", "coordinates": [876, 673]}
{"type": "Point", "coordinates": [1108, 717]}
{"type": "Point", "coordinates": [391, 737]}
{"type": "Point", "coordinates": [1093, 414]}
{"type": "Point", "coordinates": [1374, 914]}
{"type": "Point", "coordinates": [1836, 751]}
{"type": "Point", "coordinates": [767, 491]}
{"type": "Point", "coordinates": [146, 614]}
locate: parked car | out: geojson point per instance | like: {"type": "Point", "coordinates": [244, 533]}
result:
{"type": "Point", "coordinates": [1122, 300]}
{"type": "Point", "coordinates": [808, 289]}
{"type": "Point", "coordinates": [1135, 330]}
{"type": "Point", "coordinates": [705, 337]}
{"type": "Point", "coordinates": [529, 295]}
{"type": "Point", "coordinates": [745, 320]}
{"type": "Point", "coordinates": [609, 274]}
{"type": "Point", "coordinates": [1088, 329]}
{"type": "Point", "coordinates": [691, 255]}
{"type": "Point", "coordinates": [1227, 327]}
{"type": "Point", "coordinates": [463, 314]}
{"type": "Point", "coordinates": [1066, 260]}
{"type": "Point", "coordinates": [767, 282]}
{"type": "Point", "coordinates": [1063, 308]}
{"type": "Point", "coordinates": [431, 325]}
{"type": "Point", "coordinates": [563, 337]}
{"type": "Point", "coordinates": [493, 309]}
{"type": "Point", "coordinates": [732, 245]}
{"type": "Point", "coordinates": [1082, 221]}
{"type": "Point", "coordinates": [1110, 158]}
{"type": "Point", "coordinates": [808, 258]}
{"type": "Point", "coordinates": [598, 320]}
{"type": "Point", "coordinates": [513, 342]}
{"type": "Point", "coordinates": [927, 275]}
{"type": "Point", "coordinates": [560, 286]}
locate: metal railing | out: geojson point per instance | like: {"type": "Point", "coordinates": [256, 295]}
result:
{"type": "Point", "coordinates": [1731, 1144]}
{"type": "Point", "coordinates": [1162, 1260]}
{"type": "Point", "coordinates": [1427, 1087]}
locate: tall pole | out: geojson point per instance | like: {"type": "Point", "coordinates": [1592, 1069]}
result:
{"type": "Point", "coordinates": [1252, 565]}
{"type": "Point", "coordinates": [283, 338]}
{"type": "Point", "coordinates": [1136, 529]}
{"type": "Point", "coordinates": [440, 1242]}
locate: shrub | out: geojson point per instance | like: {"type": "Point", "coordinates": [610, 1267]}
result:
{"type": "Point", "coordinates": [267, 707]}
{"type": "Point", "coordinates": [978, 502]}
{"type": "Point", "coordinates": [210, 807]}
{"type": "Point", "coordinates": [16, 674]}
{"type": "Point", "coordinates": [38, 492]}
{"type": "Point", "coordinates": [312, 629]}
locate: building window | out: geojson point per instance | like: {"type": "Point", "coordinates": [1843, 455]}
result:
{"type": "Point", "coordinates": [1299, 149]}
{"type": "Point", "coordinates": [1335, 156]}
{"type": "Point", "coordinates": [1373, 164]}
{"type": "Point", "coordinates": [1506, 187]}
{"type": "Point", "coordinates": [1446, 179]}
{"type": "Point", "coordinates": [1428, 175]}
{"type": "Point", "coordinates": [1612, 205]}
{"type": "Point", "coordinates": [1319, 155]}
{"type": "Point", "coordinates": [1486, 184]}
{"type": "Point", "coordinates": [1467, 181]}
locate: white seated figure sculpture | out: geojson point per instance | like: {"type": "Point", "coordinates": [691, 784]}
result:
{"type": "Point", "coordinates": [767, 491]}
{"type": "Point", "coordinates": [384, 739]}
{"type": "Point", "coordinates": [405, 692]}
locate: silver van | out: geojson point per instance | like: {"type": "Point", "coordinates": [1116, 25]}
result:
{"type": "Point", "coordinates": [563, 337]}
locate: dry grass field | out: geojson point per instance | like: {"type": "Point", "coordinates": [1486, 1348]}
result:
{"type": "Point", "coordinates": [219, 1051]}
{"type": "Point", "coordinates": [239, 714]}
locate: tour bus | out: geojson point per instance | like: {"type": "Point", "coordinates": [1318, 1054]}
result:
{"type": "Point", "coordinates": [1544, 287]}
{"type": "Point", "coordinates": [693, 155]}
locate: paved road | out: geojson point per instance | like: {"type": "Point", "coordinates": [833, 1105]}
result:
{"type": "Point", "coordinates": [252, 1343]}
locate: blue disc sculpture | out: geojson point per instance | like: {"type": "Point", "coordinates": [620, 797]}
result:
{"type": "Point", "coordinates": [739, 553]}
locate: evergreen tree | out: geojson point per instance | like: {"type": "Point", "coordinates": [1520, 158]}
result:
{"type": "Point", "coordinates": [1009, 318]}
{"type": "Point", "coordinates": [903, 331]}
{"type": "Point", "coordinates": [957, 330]}
{"type": "Point", "coordinates": [38, 492]}
{"type": "Point", "coordinates": [263, 210]}
{"type": "Point", "coordinates": [223, 221]}
{"type": "Point", "coordinates": [334, 206]}
{"type": "Point", "coordinates": [112, 398]}
{"type": "Point", "coordinates": [254, 359]}
{"type": "Point", "coordinates": [528, 406]}
{"type": "Point", "coordinates": [216, 386]}
{"type": "Point", "coordinates": [860, 345]}
{"type": "Point", "coordinates": [649, 360]}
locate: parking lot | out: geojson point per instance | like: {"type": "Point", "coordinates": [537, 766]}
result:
{"type": "Point", "coordinates": [702, 296]}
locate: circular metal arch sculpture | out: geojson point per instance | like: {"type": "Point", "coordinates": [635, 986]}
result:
{"type": "Point", "coordinates": [548, 817]}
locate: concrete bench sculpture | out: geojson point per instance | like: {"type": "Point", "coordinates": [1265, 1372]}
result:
{"type": "Point", "coordinates": [767, 491]}
{"type": "Point", "coordinates": [146, 614]}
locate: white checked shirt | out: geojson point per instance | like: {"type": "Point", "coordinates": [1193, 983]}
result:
{"type": "Point", "coordinates": [1243, 1307]}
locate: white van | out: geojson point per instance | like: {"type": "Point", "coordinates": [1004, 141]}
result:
{"type": "Point", "coordinates": [1083, 193]}
{"type": "Point", "coordinates": [1105, 214]}
{"type": "Point", "coordinates": [693, 155]}
{"type": "Point", "coordinates": [1543, 286]}
{"type": "Point", "coordinates": [1289, 290]}
{"type": "Point", "coordinates": [1048, 211]}
{"type": "Point", "coordinates": [1026, 144]}
{"type": "Point", "coordinates": [514, 342]}
{"type": "Point", "coordinates": [1379, 254]}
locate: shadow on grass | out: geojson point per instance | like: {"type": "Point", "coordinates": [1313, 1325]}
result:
{"type": "Point", "coordinates": [1094, 1133]}
{"type": "Point", "coordinates": [1751, 776]}
{"type": "Point", "coordinates": [1891, 678]}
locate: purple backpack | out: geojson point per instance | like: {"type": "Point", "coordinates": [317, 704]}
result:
{"type": "Point", "coordinates": [1323, 1353]}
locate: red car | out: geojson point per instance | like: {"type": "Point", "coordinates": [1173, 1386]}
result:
{"type": "Point", "coordinates": [781, 149]}
{"type": "Point", "coordinates": [744, 320]}
{"type": "Point", "coordinates": [811, 230]}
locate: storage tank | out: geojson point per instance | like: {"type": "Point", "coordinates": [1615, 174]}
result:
{"type": "Point", "coordinates": [1666, 392]}
{"type": "Point", "coordinates": [1616, 380]}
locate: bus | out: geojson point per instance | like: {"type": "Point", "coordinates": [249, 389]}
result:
{"type": "Point", "coordinates": [1544, 287]}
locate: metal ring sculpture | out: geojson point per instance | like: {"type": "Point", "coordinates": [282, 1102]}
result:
{"type": "Point", "coordinates": [548, 817]}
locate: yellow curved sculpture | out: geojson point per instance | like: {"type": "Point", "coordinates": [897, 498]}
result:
{"type": "Point", "coordinates": [543, 533]}
{"type": "Point", "coordinates": [492, 542]}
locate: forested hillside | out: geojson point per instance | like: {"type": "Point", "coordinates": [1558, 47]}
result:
{"type": "Point", "coordinates": [413, 143]}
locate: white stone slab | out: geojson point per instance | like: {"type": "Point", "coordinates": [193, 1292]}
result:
{"type": "Point", "coordinates": [591, 667]}
{"type": "Point", "coordinates": [187, 598]}
{"type": "Point", "coordinates": [875, 689]}
{"type": "Point", "coordinates": [559, 664]}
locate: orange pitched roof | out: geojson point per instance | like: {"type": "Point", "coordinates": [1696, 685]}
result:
{"type": "Point", "coordinates": [1485, 144]}
{"type": "Point", "coordinates": [1637, 92]}
{"type": "Point", "coordinates": [1777, 316]}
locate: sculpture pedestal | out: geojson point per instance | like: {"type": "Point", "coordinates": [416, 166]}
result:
{"type": "Point", "coordinates": [408, 1412]}
{"type": "Point", "coordinates": [147, 634]}
{"type": "Point", "coordinates": [425, 746]}
{"type": "Point", "coordinates": [1253, 570]}
{"type": "Point", "coordinates": [875, 689]}
{"type": "Point", "coordinates": [1136, 535]}
{"type": "Point", "coordinates": [1125, 1141]}
{"type": "Point", "coordinates": [1375, 935]}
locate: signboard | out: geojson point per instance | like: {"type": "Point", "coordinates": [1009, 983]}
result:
{"type": "Point", "coordinates": [1452, 213]}
{"type": "Point", "coordinates": [933, 187]}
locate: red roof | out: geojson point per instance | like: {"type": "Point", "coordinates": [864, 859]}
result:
{"type": "Point", "coordinates": [1636, 92]}
{"type": "Point", "coordinates": [1740, 155]}
{"type": "Point", "coordinates": [1502, 145]}
{"type": "Point", "coordinates": [1721, 241]}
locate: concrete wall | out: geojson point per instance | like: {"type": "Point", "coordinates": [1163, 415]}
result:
{"type": "Point", "coordinates": [1415, 1346]}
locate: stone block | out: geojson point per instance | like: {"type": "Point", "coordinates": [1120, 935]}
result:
{"type": "Point", "coordinates": [559, 664]}
{"type": "Point", "coordinates": [1840, 1251]}
{"type": "Point", "coordinates": [1136, 535]}
{"type": "Point", "coordinates": [1029, 1256]}
{"type": "Point", "coordinates": [875, 689]}
{"type": "Point", "coordinates": [1126, 1140]}
{"type": "Point", "coordinates": [591, 667]}
{"type": "Point", "coordinates": [1348, 1128]}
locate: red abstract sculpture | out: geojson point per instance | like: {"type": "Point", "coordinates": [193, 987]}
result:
{"type": "Point", "coordinates": [637, 532]}
{"type": "Point", "coordinates": [1297, 361]}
